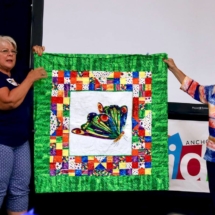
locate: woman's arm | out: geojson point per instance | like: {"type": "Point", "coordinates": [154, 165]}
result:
{"type": "Point", "coordinates": [10, 99]}
{"type": "Point", "coordinates": [175, 70]}
{"type": "Point", "coordinates": [188, 85]}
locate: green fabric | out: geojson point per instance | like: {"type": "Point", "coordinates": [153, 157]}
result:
{"type": "Point", "coordinates": [158, 180]}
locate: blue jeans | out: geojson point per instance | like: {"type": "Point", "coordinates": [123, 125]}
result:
{"type": "Point", "coordinates": [15, 174]}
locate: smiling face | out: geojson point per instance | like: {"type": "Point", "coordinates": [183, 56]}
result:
{"type": "Point", "coordinates": [7, 60]}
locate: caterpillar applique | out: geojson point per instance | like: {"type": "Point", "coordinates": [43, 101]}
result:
{"type": "Point", "coordinates": [108, 124]}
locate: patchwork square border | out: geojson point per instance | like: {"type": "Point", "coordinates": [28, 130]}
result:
{"type": "Point", "coordinates": [66, 82]}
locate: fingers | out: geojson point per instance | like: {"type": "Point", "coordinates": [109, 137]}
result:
{"type": "Point", "coordinates": [38, 49]}
{"type": "Point", "coordinates": [170, 64]}
{"type": "Point", "coordinates": [44, 74]}
{"type": "Point", "coordinates": [41, 72]}
{"type": "Point", "coordinates": [169, 61]}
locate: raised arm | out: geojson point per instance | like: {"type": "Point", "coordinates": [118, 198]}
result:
{"type": "Point", "coordinates": [175, 70]}
{"type": "Point", "coordinates": [10, 99]}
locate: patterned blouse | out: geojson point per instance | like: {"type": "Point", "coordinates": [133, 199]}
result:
{"type": "Point", "coordinates": [206, 95]}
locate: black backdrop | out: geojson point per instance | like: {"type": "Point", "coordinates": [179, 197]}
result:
{"type": "Point", "coordinates": [22, 19]}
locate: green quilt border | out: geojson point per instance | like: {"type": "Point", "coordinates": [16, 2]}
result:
{"type": "Point", "coordinates": [158, 180]}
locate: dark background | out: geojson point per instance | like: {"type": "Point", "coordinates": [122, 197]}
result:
{"type": "Point", "coordinates": [22, 20]}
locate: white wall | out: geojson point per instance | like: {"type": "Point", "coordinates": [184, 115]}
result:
{"type": "Point", "coordinates": [184, 29]}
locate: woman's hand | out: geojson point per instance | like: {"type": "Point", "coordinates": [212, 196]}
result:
{"type": "Point", "coordinates": [37, 74]}
{"type": "Point", "coordinates": [38, 49]}
{"type": "Point", "coordinates": [174, 69]}
{"type": "Point", "coordinates": [171, 64]}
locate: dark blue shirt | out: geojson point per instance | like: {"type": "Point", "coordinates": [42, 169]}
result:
{"type": "Point", "coordinates": [14, 123]}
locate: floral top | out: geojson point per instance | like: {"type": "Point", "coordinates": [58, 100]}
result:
{"type": "Point", "coordinates": [206, 95]}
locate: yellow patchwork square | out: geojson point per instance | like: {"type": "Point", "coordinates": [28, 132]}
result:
{"type": "Point", "coordinates": [65, 131]}
{"type": "Point", "coordinates": [147, 133]}
{"type": "Point", "coordinates": [59, 145]}
{"type": "Point", "coordinates": [91, 74]}
{"type": "Point", "coordinates": [115, 171]}
{"type": "Point", "coordinates": [51, 159]}
{"type": "Point", "coordinates": [52, 140]}
{"type": "Point", "coordinates": [122, 165]}
{"type": "Point", "coordinates": [142, 74]}
{"type": "Point", "coordinates": [65, 152]}
{"type": "Point", "coordinates": [66, 100]}
{"type": "Point", "coordinates": [71, 174]}
{"type": "Point", "coordinates": [111, 75]}
{"type": "Point", "coordinates": [142, 99]}
{"type": "Point", "coordinates": [85, 80]}
{"type": "Point", "coordinates": [123, 81]}
{"type": "Point", "coordinates": [59, 107]}
{"type": "Point", "coordinates": [90, 158]}
{"type": "Point", "coordinates": [79, 79]}
{"type": "Point", "coordinates": [148, 171]}
{"type": "Point", "coordinates": [148, 87]}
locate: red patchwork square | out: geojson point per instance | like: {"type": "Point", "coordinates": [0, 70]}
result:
{"type": "Point", "coordinates": [90, 165]}
{"type": "Point", "coordinates": [58, 152]}
{"type": "Point", "coordinates": [52, 166]}
{"type": "Point", "coordinates": [148, 80]}
{"type": "Point", "coordinates": [60, 80]}
{"type": "Point", "coordinates": [73, 74]}
{"type": "Point", "coordinates": [135, 165]}
{"type": "Point", "coordinates": [128, 158]}
{"type": "Point", "coordinates": [141, 132]}
{"type": "Point", "coordinates": [148, 158]}
{"type": "Point", "coordinates": [109, 165]}
{"type": "Point", "coordinates": [85, 74]}
{"type": "Point", "coordinates": [56, 100]}
{"type": "Point", "coordinates": [148, 93]}
{"type": "Point", "coordinates": [59, 132]}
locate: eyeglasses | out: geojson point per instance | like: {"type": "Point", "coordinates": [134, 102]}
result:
{"type": "Point", "coordinates": [6, 52]}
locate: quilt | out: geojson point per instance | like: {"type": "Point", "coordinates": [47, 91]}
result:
{"type": "Point", "coordinates": [100, 123]}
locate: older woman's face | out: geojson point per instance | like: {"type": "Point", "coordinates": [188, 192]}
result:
{"type": "Point", "coordinates": [7, 56]}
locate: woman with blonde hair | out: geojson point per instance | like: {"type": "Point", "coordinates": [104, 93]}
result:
{"type": "Point", "coordinates": [15, 165]}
